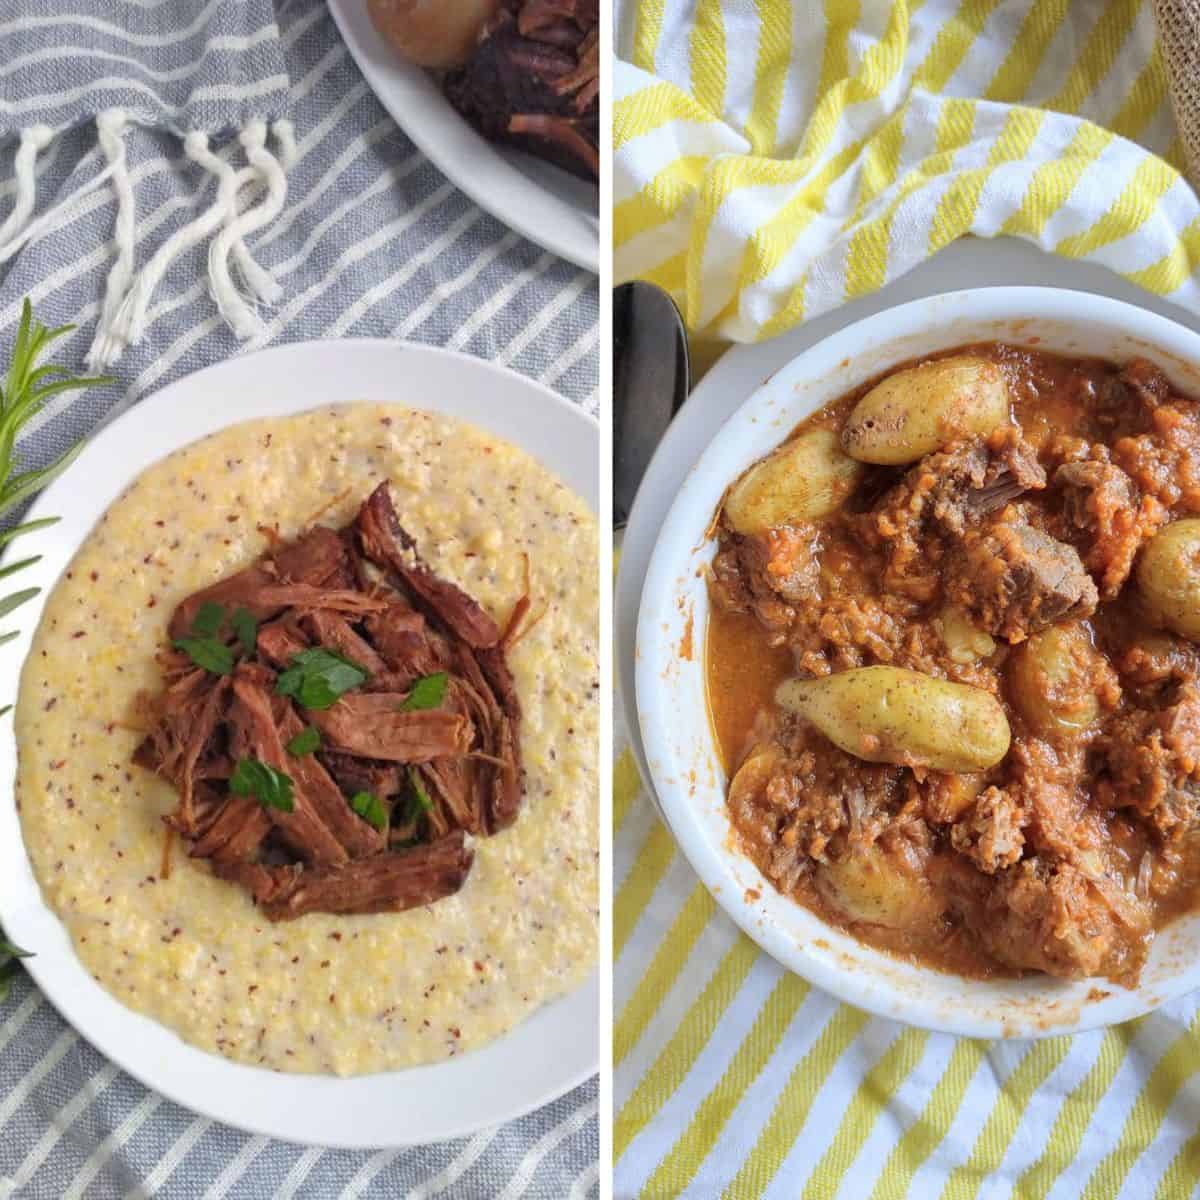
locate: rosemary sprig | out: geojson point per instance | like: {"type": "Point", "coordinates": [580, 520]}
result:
{"type": "Point", "coordinates": [27, 386]}
{"type": "Point", "coordinates": [9, 954]}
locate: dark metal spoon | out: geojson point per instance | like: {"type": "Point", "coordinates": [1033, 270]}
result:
{"type": "Point", "coordinates": [651, 378]}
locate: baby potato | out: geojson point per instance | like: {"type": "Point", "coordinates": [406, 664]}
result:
{"type": "Point", "coordinates": [965, 642]}
{"type": "Point", "coordinates": [432, 33]}
{"type": "Point", "coordinates": [879, 886]}
{"type": "Point", "coordinates": [892, 715]}
{"type": "Point", "coordinates": [919, 410]}
{"type": "Point", "coordinates": [803, 480]}
{"type": "Point", "coordinates": [1168, 576]}
{"type": "Point", "coordinates": [1053, 679]}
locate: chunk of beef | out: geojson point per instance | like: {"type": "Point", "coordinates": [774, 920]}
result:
{"type": "Point", "coordinates": [371, 725]}
{"type": "Point", "coordinates": [302, 828]}
{"type": "Point", "coordinates": [279, 641]}
{"type": "Point", "coordinates": [354, 775]}
{"type": "Point", "coordinates": [335, 633]}
{"type": "Point", "coordinates": [237, 832]}
{"type": "Point", "coordinates": [306, 596]}
{"type": "Point", "coordinates": [990, 832]}
{"type": "Point", "coordinates": [939, 499]}
{"type": "Point", "coordinates": [389, 882]}
{"type": "Point", "coordinates": [1101, 502]}
{"type": "Point", "coordinates": [311, 560]}
{"type": "Point", "coordinates": [189, 711]}
{"type": "Point", "coordinates": [385, 542]}
{"type": "Point", "coordinates": [1048, 917]}
{"type": "Point", "coordinates": [358, 836]}
{"type": "Point", "coordinates": [1015, 579]}
{"type": "Point", "coordinates": [498, 723]}
{"type": "Point", "coordinates": [1151, 764]}
{"type": "Point", "coordinates": [407, 645]}
{"type": "Point", "coordinates": [741, 578]}
{"type": "Point", "coordinates": [533, 83]}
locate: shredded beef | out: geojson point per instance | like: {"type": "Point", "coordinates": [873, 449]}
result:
{"type": "Point", "coordinates": [534, 82]}
{"type": "Point", "coordinates": [429, 767]}
{"type": "Point", "coordinates": [1101, 502]}
{"type": "Point", "coordinates": [385, 883]}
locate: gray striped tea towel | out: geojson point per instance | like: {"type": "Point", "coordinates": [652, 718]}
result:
{"type": "Point", "coordinates": [212, 73]}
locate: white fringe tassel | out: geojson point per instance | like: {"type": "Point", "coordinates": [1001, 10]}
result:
{"type": "Point", "coordinates": [110, 126]}
{"type": "Point", "coordinates": [127, 296]}
{"type": "Point", "coordinates": [242, 319]}
{"type": "Point", "coordinates": [129, 324]}
{"type": "Point", "coordinates": [33, 141]}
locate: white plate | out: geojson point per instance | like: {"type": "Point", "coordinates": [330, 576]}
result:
{"type": "Point", "coordinates": [672, 708]}
{"type": "Point", "coordinates": [555, 1049]}
{"type": "Point", "coordinates": [544, 203]}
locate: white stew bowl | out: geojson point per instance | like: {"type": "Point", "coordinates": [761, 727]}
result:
{"type": "Point", "coordinates": [672, 622]}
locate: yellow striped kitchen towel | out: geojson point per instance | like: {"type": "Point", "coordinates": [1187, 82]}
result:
{"type": "Point", "coordinates": [734, 1079]}
{"type": "Point", "coordinates": [775, 158]}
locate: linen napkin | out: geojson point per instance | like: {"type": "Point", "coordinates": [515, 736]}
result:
{"type": "Point", "coordinates": [777, 159]}
{"type": "Point", "coordinates": [773, 161]}
{"type": "Point", "coordinates": [211, 73]}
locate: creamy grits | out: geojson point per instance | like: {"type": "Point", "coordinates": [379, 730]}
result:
{"type": "Point", "coordinates": [330, 994]}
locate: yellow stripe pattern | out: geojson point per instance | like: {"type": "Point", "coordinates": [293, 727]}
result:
{"type": "Point", "coordinates": [947, 117]}
{"type": "Point", "coordinates": [922, 120]}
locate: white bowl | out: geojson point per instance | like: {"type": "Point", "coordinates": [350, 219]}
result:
{"type": "Point", "coordinates": [672, 623]}
{"type": "Point", "coordinates": [557, 1047]}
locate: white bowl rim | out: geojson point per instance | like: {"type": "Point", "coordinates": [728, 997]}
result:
{"type": "Point", "coordinates": [939, 1001]}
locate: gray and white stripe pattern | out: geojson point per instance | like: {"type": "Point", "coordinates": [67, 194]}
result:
{"type": "Point", "coordinates": [179, 64]}
{"type": "Point", "coordinates": [372, 242]}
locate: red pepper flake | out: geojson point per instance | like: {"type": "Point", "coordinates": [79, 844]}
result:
{"type": "Point", "coordinates": [478, 966]}
{"type": "Point", "coordinates": [252, 988]}
{"type": "Point", "coordinates": [456, 1031]}
{"type": "Point", "coordinates": [337, 937]}
{"type": "Point", "coordinates": [152, 602]}
{"type": "Point", "coordinates": [295, 960]}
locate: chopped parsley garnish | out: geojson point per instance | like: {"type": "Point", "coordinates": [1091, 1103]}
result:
{"type": "Point", "coordinates": [203, 646]}
{"type": "Point", "coordinates": [208, 652]}
{"type": "Point", "coordinates": [208, 620]}
{"type": "Point", "coordinates": [371, 809]}
{"type": "Point", "coordinates": [428, 692]}
{"type": "Point", "coordinates": [271, 788]}
{"type": "Point", "coordinates": [317, 678]}
{"type": "Point", "coordinates": [420, 802]}
{"type": "Point", "coordinates": [246, 629]}
{"type": "Point", "coordinates": [307, 741]}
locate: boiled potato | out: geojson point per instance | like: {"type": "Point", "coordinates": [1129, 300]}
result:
{"type": "Point", "coordinates": [756, 771]}
{"type": "Point", "coordinates": [890, 715]}
{"type": "Point", "coordinates": [432, 33]}
{"type": "Point", "coordinates": [805, 479]}
{"type": "Point", "coordinates": [919, 410]}
{"type": "Point", "coordinates": [1054, 680]}
{"type": "Point", "coordinates": [965, 642]}
{"type": "Point", "coordinates": [1168, 577]}
{"type": "Point", "coordinates": [879, 886]}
